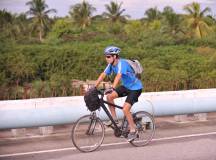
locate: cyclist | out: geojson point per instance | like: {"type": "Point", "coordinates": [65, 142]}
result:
{"type": "Point", "coordinates": [131, 86]}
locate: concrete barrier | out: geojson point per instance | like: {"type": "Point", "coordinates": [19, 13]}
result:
{"type": "Point", "coordinates": [66, 110]}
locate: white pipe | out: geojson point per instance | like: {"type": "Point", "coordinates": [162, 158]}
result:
{"type": "Point", "coordinates": [65, 110]}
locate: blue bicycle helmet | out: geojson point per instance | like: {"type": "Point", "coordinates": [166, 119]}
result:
{"type": "Point", "coordinates": [112, 50]}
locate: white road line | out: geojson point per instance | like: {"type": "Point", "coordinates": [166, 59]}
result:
{"type": "Point", "coordinates": [110, 144]}
{"type": "Point", "coordinates": [184, 136]}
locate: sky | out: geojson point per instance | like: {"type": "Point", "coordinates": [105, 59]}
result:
{"type": "Point", "coordinates": [134, 8]}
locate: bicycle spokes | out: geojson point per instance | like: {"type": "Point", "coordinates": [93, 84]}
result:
{"type": "Point", "coordinates": [87, 133]}
{"type": "Point", "coordinates": [146, 128]}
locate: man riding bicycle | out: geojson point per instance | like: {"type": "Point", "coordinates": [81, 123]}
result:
{"type": "Point", "coordinates": [131, 86]}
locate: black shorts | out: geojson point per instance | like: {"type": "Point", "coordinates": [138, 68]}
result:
{"type": "Point", "coordinates": [132, 95]}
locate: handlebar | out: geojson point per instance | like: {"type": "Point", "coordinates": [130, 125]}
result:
{"type": "Point", "coordinates": [101, 91]}
{"type": "Point", "coordinates": [105, 91]}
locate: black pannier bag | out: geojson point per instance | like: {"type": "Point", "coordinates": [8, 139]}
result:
{"type": "Point", "coordinates": [92, 100]}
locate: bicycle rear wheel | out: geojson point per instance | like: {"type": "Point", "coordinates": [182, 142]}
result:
{"type": "Point", "coordinates": [88, 133]}
{"type": "Point", "coordinates": [146, 128]}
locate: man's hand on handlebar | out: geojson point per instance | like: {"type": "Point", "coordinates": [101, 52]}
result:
{"type": "Point", "coordinates": [109, 91]}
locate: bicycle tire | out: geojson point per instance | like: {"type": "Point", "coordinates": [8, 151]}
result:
{"type": "Point", "coordinates": [88, 133]}
{"type": "Point", "coordinates": [146, 128]}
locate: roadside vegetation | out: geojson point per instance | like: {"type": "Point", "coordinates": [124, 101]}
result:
{"type": "Point", "coordinates": [177, 51]}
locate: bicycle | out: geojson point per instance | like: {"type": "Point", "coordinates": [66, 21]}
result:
{"type": "Point", "coordinates": [88, 131]}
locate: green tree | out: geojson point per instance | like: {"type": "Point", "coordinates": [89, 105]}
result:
{"type": "Point", "coordinates": [152, 14]}
{"type": "Point", "coordinates": [193, 66]}
{"type": "Point", "coordinates": [153, 18]}
{"type": "Point", "coordinates": [196, 19]}
{"type": "Point", "coordinates": [20, 67]}
{"type": "Point", "coordinates": [22, 24]}
{"type": "Point", "coordinates": [14, 26]}
{"type": "Point", "coordinates": [167, 10]}
{"type": "Point", "coordinates": [114, 12]}
{"type": "Point", "coordinates": [40, 16]}
{"type": "Point", "coordinates": [61, 27]}
{"type": "Point", "coordinates": [5, 18]}
{"type": "Point", "coordinates": [7, 24]}
{"type": "Point", "coordinates": [82, 13]}
{"type": "Point", "coordinates": [134, 30]}
{"type": "Point", "coordinates": [172, 20]}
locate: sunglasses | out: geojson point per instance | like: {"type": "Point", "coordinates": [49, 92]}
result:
{"type": "Point", "coordinates": [108, 56]}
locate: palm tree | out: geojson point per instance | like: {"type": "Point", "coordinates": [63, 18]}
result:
{"type": "Point", "coordinates": [21, 25]}
{"type": "Point", "coordinates": [173, 21]}
{"type": "Point", "coordinates": [114, 12]}
{"type": "Point", "coordinates": [196, 19]}
{"type": "Point", "coordinates": [167, 10]}
{"type": "Point", "coordinates": [9, 24]}
{"type": "Point", "coordinates": [152, 14]}
{"type": "Point", "coordinates": [39, 15]}
{"type": "Point", "coordinates": [81, 13]}
{"type": "Point", "coordinates": [6, 23]}
{"type": "Point", "coordinates": [5, 18]}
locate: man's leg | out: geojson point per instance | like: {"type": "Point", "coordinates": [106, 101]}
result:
{"type": "Point", "coordinates": [110, 99]}
{"type": "Point", "coordinates": [130, 100]}
{"type": "Point", "coordinates": [127, 113]}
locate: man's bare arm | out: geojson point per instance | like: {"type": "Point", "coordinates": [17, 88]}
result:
{"type": "Point", "coordinates": [100, 78]}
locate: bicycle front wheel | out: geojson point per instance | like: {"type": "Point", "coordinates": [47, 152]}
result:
{"type": "Point", "coordinates": [146, 128]}
{"type": "Point", "coordinates": [88, 133]}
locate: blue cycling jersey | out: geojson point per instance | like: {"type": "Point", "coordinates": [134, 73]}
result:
{"type": "Point", "coordinates": [128, 79]}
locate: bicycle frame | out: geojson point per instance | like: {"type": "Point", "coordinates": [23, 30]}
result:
{"type": "Point", "coordinates": [103, 102]}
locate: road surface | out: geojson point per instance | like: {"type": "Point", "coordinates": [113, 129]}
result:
{"type": "Point", "coordinates": [191, 140]}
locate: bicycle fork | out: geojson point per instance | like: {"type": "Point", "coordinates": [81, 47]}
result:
{"type": "Point", "coordinates": [92, 124]}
